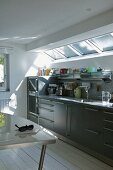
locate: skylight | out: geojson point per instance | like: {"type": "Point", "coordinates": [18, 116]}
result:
{"type": "Point", "coordinates": [87, 47]}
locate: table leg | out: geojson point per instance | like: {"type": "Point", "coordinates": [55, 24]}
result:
{"type": "Point", "coordinates": [43, 150]}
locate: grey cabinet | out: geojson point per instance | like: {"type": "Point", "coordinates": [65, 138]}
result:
{"type": "Point", "coordinates": [46, 113]}
{"type": "Point", "coordinates": [93, 127]}
{"type": "Point", "coordinates": [76, 122]}
{"type": "Point", "coordinates": [60, 118]}
{"type": "Point", "coordinates": [108, 133]}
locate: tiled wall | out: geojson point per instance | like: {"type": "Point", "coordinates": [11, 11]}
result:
{"type": "Point", "coordinates": [95, 91]}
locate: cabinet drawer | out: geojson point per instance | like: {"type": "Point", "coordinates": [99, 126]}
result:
{"type": "Point", "coordinates": [47, 102]}
{"type": "Point", "coordinates": [108, 124]}
{"type": "Point", "coordinates": [46, 123]}
{"type": "Point", "coordinates": [92, 139]}
{"type": "Point", "coordinates": [108, 115]}
{"type": "Point", "coordinates": [48, 114]}
{"type": "Point", "coordinates": [46, 106]}
{"type": "Point", "coordinates": [108, 143]}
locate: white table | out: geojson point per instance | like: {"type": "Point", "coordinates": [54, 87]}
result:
{"type": "Point", "coordinates": [10, 137]}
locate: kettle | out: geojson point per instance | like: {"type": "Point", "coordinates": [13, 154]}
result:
{"type": "Point", "coordinates": [77, 92]}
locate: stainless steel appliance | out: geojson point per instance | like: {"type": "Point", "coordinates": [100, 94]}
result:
{"type": "Point", "coordinates": [52, 89]}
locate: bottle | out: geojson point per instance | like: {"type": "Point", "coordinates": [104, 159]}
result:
{"type": "Point", "coordinates": [60, 91]}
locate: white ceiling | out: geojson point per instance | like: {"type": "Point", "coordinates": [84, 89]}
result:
{"type": "Point", "coordinates": [23, 21]}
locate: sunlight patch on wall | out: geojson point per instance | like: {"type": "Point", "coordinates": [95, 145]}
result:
{"type": "Point", "coordinates": [32, 71]}
{"type": "Point", "coordinates": [19, 85]}
{"type": "Point", "coordinates": [13, 101]}
{"type": "Point", "coordinates": [42, 60]}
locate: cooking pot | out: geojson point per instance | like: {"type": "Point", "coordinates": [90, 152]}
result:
{"type": "Point", "coordinates": [77, 92]}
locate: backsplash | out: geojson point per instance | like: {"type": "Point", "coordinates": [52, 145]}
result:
{"type": "Point", "coordinates": [95, 91]}
{"type": "Point", "coordinates": [65, 85]}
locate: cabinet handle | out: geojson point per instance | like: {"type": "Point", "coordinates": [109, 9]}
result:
{"type": "Point", "coordinates": [46, 119]}
{"type": "Point", "coordinates": [108, 112]}
{"type": "Point", "coordinates": [111, 130]}
{"type": "Point", "coordinates": [109, 121]}
{"type": "Point", "coordinates": [51, 105]}
{"type": "Point", "coordinates": [59, 103]}
{"type": "Point", "coordinates": [46, 109]}
{"type": "Point", "coordinates": [33, 114]}
{"type": "Point", "coordinates": [107, 144]}
{"type": "Point", "coordinates": [92, 131]}
{"type": "Point", "coordinates": [91, 109]}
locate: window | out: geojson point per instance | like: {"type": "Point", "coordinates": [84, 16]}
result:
{"type": "Point", "coordinates": [4, 72]}
{"type": "Point", "coordinates": [84, 48]}
{"type": "Point", "coordinates": [104, 42]}
{"type": "Point", "coordinates": [67, 51]}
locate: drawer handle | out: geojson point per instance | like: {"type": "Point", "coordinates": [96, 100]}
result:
{"type": "Point", "coordinates": [92, 131]}
{"type": "Point", "coordinates": [33, 114]}
{"type": "Point", "coordinates": [91, 109]}
{"type": "Point", "coordinates": [48, 104]}
{"type": "Point", "coordinates": [111, 130]}
{"type": "Point", "coordinates": [109, 121]}
{"type": "Point", "coordinates": [46, 109]}
{"type": "Point", "coordinates": [59, 103]}
{"type": "Point", "coordinates": [107, 144]}
{"type": "Point", "coordinates": [46, 119]}
{"type": "Point", "coordinates": [108, 112]}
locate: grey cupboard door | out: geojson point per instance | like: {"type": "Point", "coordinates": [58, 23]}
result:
{"type": "Point", "coordinates": [93, 128]}
{"type": "Point", "coordinates": [60, 118]}
{"type": "Point", "coordinates": [108, 133]}
{"type": "Point", "coordinates": [76, 123]}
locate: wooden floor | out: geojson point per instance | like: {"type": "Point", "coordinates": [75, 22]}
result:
{"type": "Point", "coordinates": [59, 156]}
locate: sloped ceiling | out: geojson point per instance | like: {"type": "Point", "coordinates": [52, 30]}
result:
{"type": "Point", "coordinates": [41, 23]}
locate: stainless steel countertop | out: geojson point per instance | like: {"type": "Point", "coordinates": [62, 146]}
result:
{"type": "Point", "coordinates": [71, 100]}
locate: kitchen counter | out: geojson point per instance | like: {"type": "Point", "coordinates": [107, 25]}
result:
{"type": "Point", "coordinates": [86, 124]}
{"type": "Point", "coordinates": [70, 100]}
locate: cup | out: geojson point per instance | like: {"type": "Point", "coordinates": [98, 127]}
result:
{"type": "Point", "coordinates": [106, 96]}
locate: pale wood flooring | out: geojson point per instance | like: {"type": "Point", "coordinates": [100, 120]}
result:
{"type": "Point", "coordinates": [59, 156]}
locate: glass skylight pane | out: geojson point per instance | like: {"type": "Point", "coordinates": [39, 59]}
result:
{"type": "Point", "coordinates": [83, 48]}
{"type": "Point", "coordinates": [54, 54]}
{"type": "Point", "coordinates": [65, 50]}
{"type": "Point", "coordinates": [105, 42]}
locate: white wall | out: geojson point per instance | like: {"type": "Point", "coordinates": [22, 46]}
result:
{"type": "Point", "coordinates": [20, 62]}
{"type": "Point", "coordinates": [105, 62]}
